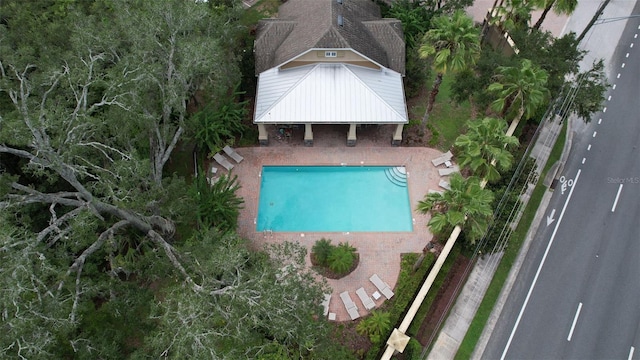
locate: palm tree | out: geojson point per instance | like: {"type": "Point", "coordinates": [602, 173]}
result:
{"type": "Point", "coordinates": [485, 148]}
{"type": "Point", "coordinates": [466, 204]}
{"type": "Point", "coordinates": [512, 15]}
{"type": "Point", "coordinates": [341, 258]}
{"type": "Point", "coordinates": [375, 326]}
{"type": "Point", "coordinates": [559, 7]}
{"type": "Point", "coordinates": [322, 250]}
{"type": "Point", "coordinates": [520, 90]}
{"type": "Point", "coordinates": [454, 44]}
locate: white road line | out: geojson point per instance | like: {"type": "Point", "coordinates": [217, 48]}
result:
{"type": "Point", "coordinates": [631, 45]}
{"type": "Point", "coordinates": [589, 147]}
{"type": "Point", "coordinates": [631, 353]}
{"type": "Point", "coordinates": [623, 65]}
{"type": "Point", "coordinates": [614, 86]}
{"type": "Point", "coordinates": [627, 55]}
{"type": "Point", "coordinates": [604, 110]}
{"type": "Point", "coordinates": [583, 160]}
{"type": "Point", "coordinates": [544, 258]}
{"type": "Point", "coordinates": [609, 98]}
{"type": "Point", "coordinates": [618, 77]}
{"type": "Point", "coordinates": [599, 121]}
{"type": "Point", "coordinates": [615, 202]}
{"type": "Point", "coordinates": [595, 133]}
{"type": "Point", "coordinates": [575, 320]}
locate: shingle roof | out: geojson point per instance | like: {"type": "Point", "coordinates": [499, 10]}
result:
{"type": "Point", "coordinates": [306, 24]}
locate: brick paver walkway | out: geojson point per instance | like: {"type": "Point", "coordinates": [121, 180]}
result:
{"type": "Point", "coordinates": [379, 252]}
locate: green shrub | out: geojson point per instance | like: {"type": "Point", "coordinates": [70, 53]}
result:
{"type": "Point", "coordinates": [341, 258]}
{"type": "Point", "coordinates": [375, 326]}
{"type": "Point", "coordinates": [413, 351]}
{"type": "Point", "coordinates": [321, 250]}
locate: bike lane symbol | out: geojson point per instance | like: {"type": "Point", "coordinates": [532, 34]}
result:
{"type": "Point", "coordinates": [565, 183]}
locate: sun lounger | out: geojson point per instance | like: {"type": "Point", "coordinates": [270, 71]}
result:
{"type": "Point", "coordinates": [444, 184]}
{"type": "Point", "coordinates": [449, 171]}
{"type": "Point", "coordinates": [351, 307]}
{"type": "Point", "coordinates": [442, 158]}
{"type": "Point", "coordinates": [366, 300]}
{"type": "Point", "coordinates": [223, 161]}
{"type": "Point", "coordinates": [431, 191]}
{"type": "Point", "coordinates": [382, 286]}
{"type": "Point", "coordinates": [325, 304]}
{"type": "Point", "coordinates": [232, 153]}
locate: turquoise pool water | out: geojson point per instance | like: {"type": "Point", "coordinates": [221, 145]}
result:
{"type": "Point", "coordinates": [334, 199]}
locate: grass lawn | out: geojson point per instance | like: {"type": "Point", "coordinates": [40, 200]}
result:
{"type": "Point", "coordinates": [510, 255]}
{"type": "Point", "coordinates": [447, 118]}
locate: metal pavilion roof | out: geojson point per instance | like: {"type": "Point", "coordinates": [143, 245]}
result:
{"type": "Point", "coordinates": [330, 93]}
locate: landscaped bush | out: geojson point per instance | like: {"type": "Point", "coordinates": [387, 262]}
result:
{"type": "Point", "coordinates": [333, 261]}
{"type": "Point", "coordinates": [341, 258]}
{"type": "Point", "coordinates": [321, 250]}
{"type": "Point", "coordinates": [375, 326]}
{"type": "Point", "coordinates": [413, 351]}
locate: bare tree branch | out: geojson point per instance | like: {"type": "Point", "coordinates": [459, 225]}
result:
{"type": "Point", "coordinates": [55, 222]}
{"type": "Point", "coordinates": [169, 251]}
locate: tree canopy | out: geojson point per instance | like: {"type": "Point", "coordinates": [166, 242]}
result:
{"type": "Point", "coordinates": [99, 244]}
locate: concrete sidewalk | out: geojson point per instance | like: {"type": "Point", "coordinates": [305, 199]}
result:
{"type": "Point", "coordinates": [600, 43]}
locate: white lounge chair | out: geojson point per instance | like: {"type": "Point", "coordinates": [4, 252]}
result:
{"type": "Point", "coordinates": [223, 161]}
{"type": "Point", "coordinates": [351, 307]}
{"type": "Point", "coordinates": [366, 300]}
{"type": "Point", "coordinates": [442, 158]}
{"type": "Point", "coordinates": [382, 286]}
{"type": "Point", "coordinates": [449, 171]}
{"type": "Point", "coordinates": [444, 184]}
{"type": "Point", "coordinates": [232, 153]}
{"type": "Point", "coordinates": [325, 304]}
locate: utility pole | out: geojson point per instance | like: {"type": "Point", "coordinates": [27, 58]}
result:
{"type": "Point", "coordinates": [593, 20]}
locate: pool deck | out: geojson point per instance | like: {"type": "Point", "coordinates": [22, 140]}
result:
{"type": "Point", "coordinates": [379, 252]}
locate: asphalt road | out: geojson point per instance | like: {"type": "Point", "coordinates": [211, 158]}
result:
{"type": "Point", "coordinates": [577, 295]}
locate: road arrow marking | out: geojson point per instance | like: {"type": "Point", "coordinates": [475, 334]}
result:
{"type": "Point", "coordinates": [550, 218]}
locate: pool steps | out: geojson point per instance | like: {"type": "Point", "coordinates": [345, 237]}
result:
{"type": "Point", "coordinates": [397, 175]}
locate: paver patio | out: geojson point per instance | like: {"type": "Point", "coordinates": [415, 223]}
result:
{"type": "Point", "coordinates": [379, 252]}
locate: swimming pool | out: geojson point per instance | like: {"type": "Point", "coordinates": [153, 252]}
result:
{"type": "Point", "coordinates": [334, 199]}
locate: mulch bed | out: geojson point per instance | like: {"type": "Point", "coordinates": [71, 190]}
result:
{"type": "Point", "coordinates": [445, 294]}
{"type": "Point", "coordinates": [326, 271]}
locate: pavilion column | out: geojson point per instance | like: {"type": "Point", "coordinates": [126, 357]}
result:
{"type": "Point", "coordinates": [308, 135]}
{"type": "Point", "coordinates": [397, 135]}
{"type": "Point", "coordinates": [263, 135]}
{"type": "Point", "coordinates": [351, 135]}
